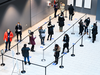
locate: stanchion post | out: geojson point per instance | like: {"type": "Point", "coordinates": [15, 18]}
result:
{"type": "Point", "coordinates": [2, 64]}
{"type": "Point", "coordinates": [73, 31]}
{"type": "Point", "coordinates": [17, 50]}
{"type": "Point", "coordinates": [43, 56]}
{"type": "Point", "coordinates": [66, 14]}
{"type": "Point", "coordinates": [73, 51]}
{"type": "Point", "coordinates": [23, 71]}
{"type": "Point", "coordinates": [2, 53]}
{"type": "Point", "coordinates": [82, 41]}
{"type": "Point", "coordinates": [45, 70]}
{"type": "Point", "coordinates": [89, 33]}
{"type": "Point", "coordinates": [61, 62]}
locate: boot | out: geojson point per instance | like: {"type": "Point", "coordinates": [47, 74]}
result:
{"type": "Point", "coordinates": [68, 51]}
{"type": "Point", "coordinates": [25, 63]}
{"type": "Point", "coordinates": [29, 63]}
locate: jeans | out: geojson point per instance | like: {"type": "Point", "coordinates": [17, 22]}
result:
{"type": "Point", "coordinates": [42, 40]}
{"type": "Point", "coordinates": [86, 29]}
{"type": "Point", "coordinates": [27, 59]}
{"type": "Point", "coordinates": [7, 44]}
{"type": "Point", "coordinates": [70, 16]}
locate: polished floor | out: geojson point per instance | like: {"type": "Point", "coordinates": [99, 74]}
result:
{"type": "Point", "coordinates": [85, 62]}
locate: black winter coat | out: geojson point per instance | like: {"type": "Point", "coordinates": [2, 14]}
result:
{"type": "Point", "coordinates": [61, 21]}
{"type": "Point", "coordinates": [81, 26]}
{"type": "Point", "coordinates": [50, 29]}
{"type": "Point", "coordinates": [25, 51]}
{"type": "Point", "coordinates": [16, 28]}
{"type": "Point", "coordinates": [66, 40]}
{"type": "Point", "coordinates": [71, 9]}
{"type": "Point", "coordinates": [87, 22]}
{"type": "Point", "coordinates": [94, 30]}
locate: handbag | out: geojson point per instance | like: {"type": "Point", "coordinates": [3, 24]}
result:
{"type": "Point", "coordinates": [43, 34]}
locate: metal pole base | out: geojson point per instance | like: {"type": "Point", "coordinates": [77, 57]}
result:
{"type": "Point", "coordinates": [72, 55]}
{"type": "Point", "coordinates": [3, 64]}
{"type": "Point", "coordinates": [81, 45]}
{"type": "Point", "coordinates": [89, 37]}
{"type": "Point", "coordinates": [43, 60]}
{"type": "Point", "coordinates": [61, 66]}
{"type": "Point", "coordinates": [73, 33]}
{"type": "Point", "coordinates": [65, 16]}
{"type": "Point", "coordinates": [17, 53]}
{"type": "Point", "coordinates": [23, 71]}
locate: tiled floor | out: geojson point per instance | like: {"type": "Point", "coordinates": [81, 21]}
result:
{"type": "Point", "coordinates": [85, 62]}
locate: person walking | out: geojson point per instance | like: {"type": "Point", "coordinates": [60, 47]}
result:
{"type": "Point", "coordinates": [94, 32]}
{"type": "Point", "coordinates": [50, 30]}
{"type": "Point", "coordinates": [66, 43]}
{"type": "Point", "coordinates": [57, 53]}
{"type": "Point", "coordinates": [8, 35]}
{"type": "Point", "coordinates": [42, 35]}
{"type": "Point", "coordinates": [18, 31]}
{"type": "Point", "coordinates": [32, 41]}
{"type": "Point", "coordinates": [81, 27]}
{"type": "Point", "coordinates": [71, 12]}
{"type": "Point", "coordinates": [61, 22]}
{"type": "Point", "coordinates": [87, 22]}
{"type": "Point", "coordinates": [25, 54]}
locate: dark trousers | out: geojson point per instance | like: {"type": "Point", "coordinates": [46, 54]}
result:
{"type": "Point", "coordinates": [8, 42]}
{"type": "Point", "coordinates": [66, 45]}
{"type": "Point", "coordinates": [56, 60]}
{"type": "Point", "coordinates": [93, 37]}
{"type": "Point", "coordinates": [55, 13]}
{"type": "Point", "coordinates": [86, 29]}
{"type": "Point", "coordinates": [32, 48]}
{"type": "Point", "coordinates": [19, 34]}
{"type": "Point", "coordinates": [50, 35]}
{"type": "Point", "coordinates": [27, 59]}
{"type": "Point", "coordinates": [42, 40]}
{"type": "Point", "coordinates": [70, 16]}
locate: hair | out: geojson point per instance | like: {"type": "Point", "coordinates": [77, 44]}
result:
{"type": "Point", "coordinates": [25, 45]}
{"type": "Point", "coordinates": [49, 23]}
{"type": "Point", "coordinates": [94, 24]}
{"type": "Point", "coordinates": [67, 36]}
{"type": "Point", "coordinates": [70, 4]}
{"type": "Point", "coordinates": [18, 22]}
{"type": "Point", "coordinates": [32, 33]}
{"type": "Point", "coordinates": [40, 28]}
{"type": "Point", "coordinates": [56, 45]}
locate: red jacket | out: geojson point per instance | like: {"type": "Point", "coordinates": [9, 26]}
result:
{"type": "Point", "coordinates": [6, 36]}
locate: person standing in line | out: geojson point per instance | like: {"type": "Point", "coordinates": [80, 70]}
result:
{"type": "Point", "coordinates": [42, 35]}
{"type": "Point", "coordinates": [55, 9]}
{"type": "Point", "coordinates": [18, 31]}
{"type": "Point", "coordinates": [61, 22]}
{"type": "Point", "coordinates": [50, 30]}
{"type": "Point", "coordinates": [8, 35]}
{"type": "Point", "coordinates": [94, 32]}
{"type": "Point", "coordinates": [32, 41]}
{"type": "Point", "coordinates": [66, 43]}
{"type": "Point", "coordinates": [62, 8]}
{"type": "Point", "coordinates": [71, 12]}
{"type": "Point", "coordinates": [57, 53]}
{"type": "Point", "coordinates": [87, 22]}
{"type": "Point", "coordinates": [25, 54]}
{"type": "Point", "coordinates": [81, 27]}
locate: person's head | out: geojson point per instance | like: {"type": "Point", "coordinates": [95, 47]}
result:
{"type": "Point", "coordinates": [18, 23]}
{"type": "Point", "coordinates": [32, 33]}
{"type": "Point", "coordinates": [40, 28]}
{"type": "Point", "coordinates": [25, 45]}
{"type": "Point", "coordinates": [70, 4]}
{"type": "Point", "coordinates": [88, 18]}
{"type": "Point", "coordinates": [56, 46]}
{"type": "Point", "coordinates": [81, 20]}
{"type": "Point", "coordinates": [94, 24]}
{"type": "Point", "coordinates": [8, 30]}
{"type": "Point", "coordinates": [66, 35]}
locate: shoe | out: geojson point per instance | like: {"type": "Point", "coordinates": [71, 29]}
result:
{"type": "Point", "coordinates": [5, 51]}
{"type": "Point", "coordinates": [29, 63]}
{"type": "Point", "coordinates": [47, 39]}
{"type": "Point", "coordinates": [9, 50]}
{"type": "Point", "coordinates": [25, 63]}
{"type": "Point", "coordinates": [92, 41]}
{"type": "Point", "coordinates": [62, 52]}
{"type": "Point", "coordinates": [33, 50]}
{"type": "Point", "coordinates": [17, 40]}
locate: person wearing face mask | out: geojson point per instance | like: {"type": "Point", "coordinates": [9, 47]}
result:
{"type": "Point", "coordinates": [32, 41]}
{"type": "Point", "coordinates": [18, 31]}
{"type": "Point", "coordinates": [56, 54]}
{"type": "Point", "coordinates": [66, 43]}
{"type": "Point", "coordinates": [8, 35]}
{"type": "Point", "coordinates": [87, 22]}
{"type": "Point", "coordinates": [61, 22]}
